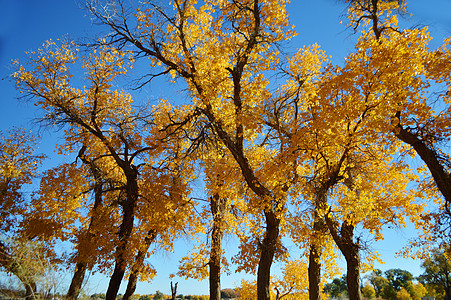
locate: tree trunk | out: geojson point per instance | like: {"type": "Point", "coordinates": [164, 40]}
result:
{"type": "Point", "coordinates": [139, 260]}
{"type": "Point", "coordinates": [82, 265]}
{"type": "Point", "coordinates": [267, 249]}
{"type": "Point", "coordinates": [350, 250]}
{"type": "Point", "coordinates": [30, 290]}
{"type": "Point", "coordinates": [125, 232]}
{"type": "Point", "coordinates": [173, 290]}
{"type": "Point", "coordinates": [353, 274]}
{"type": "Point", "coordinates": [353, 270]}
{"type": "Point", "coordinates": [316, 248]}
{"type": "Point", "coordinates": [314, 273]}
{"type": "Point", "coordinates": [217, 206]}
{"type": "Point", "coordinates": [314, 267]}
{"type": "Point", "coordinates": [77, 281]}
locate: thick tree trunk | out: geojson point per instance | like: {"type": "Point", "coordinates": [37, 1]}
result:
{"type": "Point", "coordinates": [82, 266]}
{"type": "Point", "coordinates": [215, 281]}
{"type": "Point", "coordinates": [217, 206]}
{"type": "Point", "coordinates": [139, 260]}
{"type": "Point", "coordinates": [353, 278]}
{"type": "Point", "coordinates": [314, 267]}
{"type": "Point", "coordinates": [353, 273]}
{"type": "Point", "coordinates": [125, 232]}
{"type": "Point", "coordinates": [267, 249]}
{"type": "Point", "coordinates": [319, 230]}
{"type": "Point", "coordinates": [77, 281]}
{"type": "Point", "coordinates": [350, 250]}
{"type": "Point", "coordinates": [116, 277]}
{"type": "Point", "coordinates": [314, 273]}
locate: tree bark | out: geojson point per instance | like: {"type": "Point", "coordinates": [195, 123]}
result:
{"type": "Point", "coordinates": [350, 250]}
{"type": "Point", "coordinates": [217, 206]}
{"type": "Point", "coordinates": [30, 290]}
{"type": "Point", "coordinates": [319, 230]}
{"type": "Point", "coordinates": [173, 290]}
{"type": "Point", "coordinates": [125, 232]}
{"type": "Point", "coordinates": [139, 260]}
{"type": "Point", "coordinates": [82, 265]}
{"type": "Point", "coordinates": [215, 281]}
{"type": "Point", "coordinates": [77, 281]}
{"type": "Point", "coordinates": [314, 273]}
{"type": "Point", "coordinates": [268, 249]}
{"type": "Point", "coordinates": [314, 267]}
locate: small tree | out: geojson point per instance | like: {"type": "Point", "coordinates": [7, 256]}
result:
{"type": "Point", "coordinates": [30, 263]}
{"type": "Point", "coordinates": [399, 279]}
{"type": "Point", "coordinates": [417, 291]}
{"type": "Point", "coordinates": [377, 281]}
{"type": "Point", "coordinates": [158, 296]}
{"type": "Point", "coordinates": [336, 288]}
{"type": "Point", "coordinates": [18, 166]}
{"type": "Point", "coordinates": [229, 294]}
{"type": "Point", "coordinates": [403, 294]}
{"type": "Point", "coordinates": [368, 291]}
{"type": "Point", "coordinates": [437, 273]}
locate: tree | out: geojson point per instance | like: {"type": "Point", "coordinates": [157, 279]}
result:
{"type": "Point", "coordinates": [377, 281]}
{"type": "Point", "coordinates": [64, 105]}
{"type": "Point", "coordinates": [403, 294]}
{"type": "Point", "coordinates": [229, 294]}
{"type": "Point", "coordinates": [18, 165]}
{"type": "Point", "coordinates": [338, 173]}
{"type": "Point", "coordinates": [31, 263]}
{"type": "Point", "coordinates": [417, 291]}
{"type": "Point", "coordinates": [437, 273]}
{"type": "Point", "coordinates": [110, 133]}
{"type": "Point", "coordinates": [368, 291]}
{"type": "Point", "coordinates": [336, 288]}
{"type": "Point", "coordinates": [158, 296]}
{"type": "Point", "coordinates": [220, 187]}
{"type": "Point", "coordinates": [173, 290]}
{"type": "Point", "coordinates": [247, 290]}
{"type": "Point", "coordinates": [398, 278]}
{"type": "Point", "coordinates": [413, 118]}
{"type": "Point", "coordinates": [294, 283]}
{"type": "Point", "coordinates": [53, 217]}
{"type": "Point", "coordinates": [241, 35]}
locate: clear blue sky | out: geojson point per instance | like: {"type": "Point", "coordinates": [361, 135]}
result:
{"type": "Point", "coordinates": [26, 25]}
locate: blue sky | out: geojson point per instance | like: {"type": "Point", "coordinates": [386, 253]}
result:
{"type": "Point", "coordinates": [26, 25]}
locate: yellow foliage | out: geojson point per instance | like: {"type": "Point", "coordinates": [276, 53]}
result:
{"type": "Point", "coordinates": [403, 294]}
{"type": "Point", "coordinates": [18, 167]}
